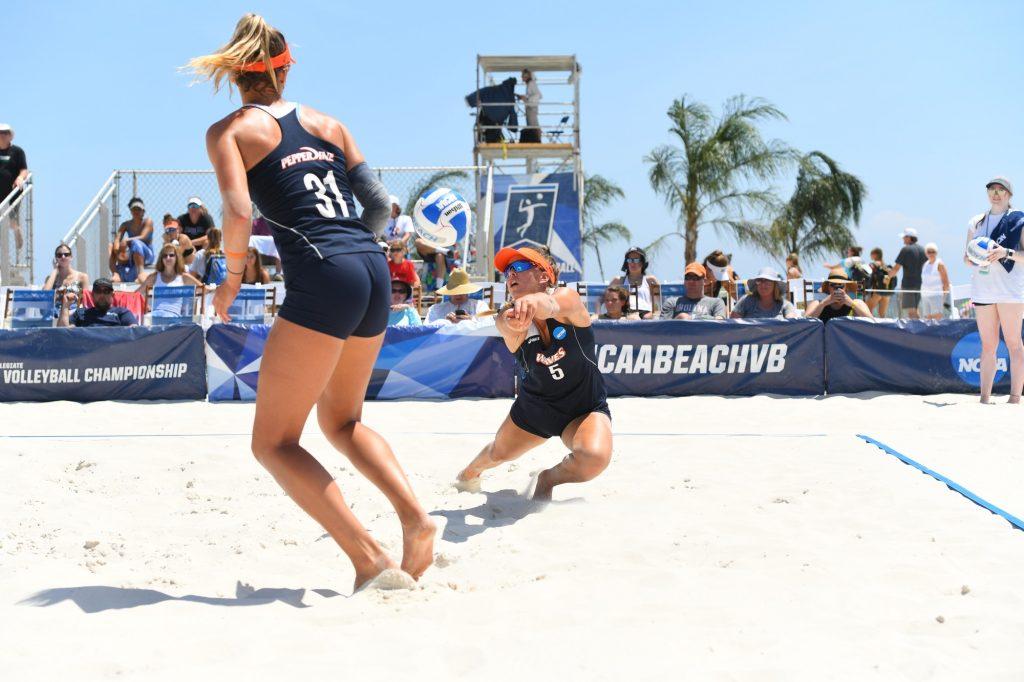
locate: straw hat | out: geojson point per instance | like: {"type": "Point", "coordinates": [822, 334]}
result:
{"type": "Point", "coordinates": [458, 283]}
{"type": "Point", "coordinates": [835, 276]}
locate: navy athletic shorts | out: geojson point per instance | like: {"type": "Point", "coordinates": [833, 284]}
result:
{"type": "Point", "coordinates": [549, 419]}
{"type": "Point", "coordinates": [348, 294]}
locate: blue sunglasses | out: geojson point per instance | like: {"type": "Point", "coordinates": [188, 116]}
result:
{"type": "Point", "coordinates": [519, 266]}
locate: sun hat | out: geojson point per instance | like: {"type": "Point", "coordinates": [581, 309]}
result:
{"type": "Point", "coordinates": [835, 276]}
{"type": "Point", "coordinates": [695, 269]}
{"type": "Point", "coordinates": [768, 274]}
{"type": "Point", "coordinates": [508, 255]}
{"type": "Point", "coordinates": [458, 283]}
{"type": "Point", "coordinates": [1000, 180]}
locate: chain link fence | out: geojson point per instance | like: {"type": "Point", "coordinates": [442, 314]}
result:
{"type": "Point", "coordinates": [16, 236]}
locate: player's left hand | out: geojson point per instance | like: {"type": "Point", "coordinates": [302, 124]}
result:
{"type": "Point", "coordinates": [224, 297]}
{"type": "Point", "coordinates": [998, 253]}
{"type": "Point", "coordinates": [516, 324]}
{"type": "Point", "coordinates": [525, 307]}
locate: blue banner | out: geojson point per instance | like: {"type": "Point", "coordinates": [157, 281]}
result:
{"type": "Point", "coordinates": [716, 357]}
{"type": "Point", "coordinates": [427, 362]}
{"type": "Point", "coordinates": [102, 363]}
{"type": "Point", "coordinates": [908, 356]}
{"type": "Point", "coordinates": [540, 210]}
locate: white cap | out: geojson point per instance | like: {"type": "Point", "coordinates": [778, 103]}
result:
{"type": "Point", "coordinates": [195, 200]}
{"type": "Point", "coordinates": [908, 232]}
{"type": "Point", "coordinates": [931, 246]}
{"type": "Point", "coordinates": [395, 201]}
{"type": "Point", "coordinates": [6, 128]}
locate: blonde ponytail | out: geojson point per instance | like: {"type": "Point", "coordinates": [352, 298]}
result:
{"type": "Point", "coordinates": [254, 40]}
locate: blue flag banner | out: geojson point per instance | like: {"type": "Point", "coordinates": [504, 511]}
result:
{"type": "Point", "coordinates": [908, 356]}
{"type": "Point", "coordinates": [532, 210]}
{"type": "Point", "coordinates": [89, 364]}
{"type": "Point", "coordinates": [717, 357]}
{"type": "Point", "coordinates": [427, 362]}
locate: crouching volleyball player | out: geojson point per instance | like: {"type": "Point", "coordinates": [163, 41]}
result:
{"type": "Point", "coordinates": [562, 393]}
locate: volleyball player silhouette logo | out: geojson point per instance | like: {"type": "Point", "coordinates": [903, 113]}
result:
{"type": "Point", "coordinates": [304, 172]}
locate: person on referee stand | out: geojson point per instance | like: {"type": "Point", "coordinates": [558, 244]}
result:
{"type": "Point", "coordinates": [103, 313]}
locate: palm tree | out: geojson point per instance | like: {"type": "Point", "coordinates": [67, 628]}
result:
{"type": "Point", "coordinates": [816, 219]}
{"type": "Point", "coordinates": [705, 179]}
{"type": "Point", "coordinates": [598, 192]}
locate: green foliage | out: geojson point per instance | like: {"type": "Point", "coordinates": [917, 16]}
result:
{"type": "Point", "coordinates": [598, 193]}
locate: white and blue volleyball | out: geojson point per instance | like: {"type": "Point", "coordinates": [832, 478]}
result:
{"type": "Point", "coordinates": [978, 248]}
{"type": "Point", "coordinates": [442, 217]}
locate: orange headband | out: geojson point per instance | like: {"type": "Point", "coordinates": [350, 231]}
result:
{"type": "Point", "coordinates": [277, 62]}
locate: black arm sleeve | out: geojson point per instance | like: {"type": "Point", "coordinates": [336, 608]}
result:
{"type": "Point", "coordinates": [371, 193]}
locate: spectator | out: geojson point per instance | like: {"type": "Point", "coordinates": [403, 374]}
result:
{"type": "Point", "coordinates": [531, 133]}
{"type": "Point", "coordinates": [616, 304]}
{"type": "Point", "coordinates": [210, 265]}
{"type": "Point", "coordinates": [138, 233]}
{"type": "Point", "coordinates": [459, 305]}
{"type": "Point", "coordinates": [170, 272]}
{"type": "Point", "coordinates": [432, 254]}
{"type": "Point", "coordinates": [838, 303]}
{"type": "Point", "coordinates": [63, 275]}
{"type": "Point", "coordinates": [399, 226]}
{"type": "Point", "coordinates": [174, 235]}
{"type": "Point", "coordinates": [854, 267]}
{"type": "Point", "coordinates": [398, 264]}
{"type": "Point", "coordinates": [765, 298]}
{"type": "Point", "coordinates": [634, 266]}
{"type": "Point", "coordinates": [911, 259]}
{"type": "Point", "coordinates": [254, 272]}
{"type": "Point", "coordinates": [721, 279]}
{"type": "Point", "coordinates": [122, 266]}
{"type": "Point", "coordinates": [13, 173]}
{"type": "Point", "coordinates": [103, 313]}
{"type": "Point", "coordinates": [403, 313]}
{"type": "Point", "coordinates": [934, 285]}
{"type": "Point", "coordinates": [880, 284]}
{"type": "Point", "coordinates": [195, 222]}
{"type": "Point", "coordinates": [793, 267]}
{"type": "Point", "coordinates": [694, 304]}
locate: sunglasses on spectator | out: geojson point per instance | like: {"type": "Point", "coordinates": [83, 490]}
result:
{"type": "Point", "coordinates": [169, 255]}
{"type": "Point", "coordinates": [634, 260]}
{"type": "Point", "coordinates": [518, 266]}
{"type": "Point", "coordinates": [64, 255]}
{"type": "Point", "coordinates": [690, 278]}
{"type": "Point", "coordinates": [398, 291]}
{"type": "Point", "coordinates": [996, 189]}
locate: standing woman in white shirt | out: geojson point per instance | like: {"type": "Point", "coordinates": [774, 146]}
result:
{"type": "Point", "coordinates": [934, 285]}
{"type": "Point", "coordinates": [997, 290]}
{"type": "Point", "coordinates": [531, 133]}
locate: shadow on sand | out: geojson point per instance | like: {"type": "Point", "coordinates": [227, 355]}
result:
{"type": "Point", "coordinates": [98, 598]}
{"type": "Point", "coordinates": [502, 508]}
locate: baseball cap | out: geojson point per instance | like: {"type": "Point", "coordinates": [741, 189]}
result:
{"type": "Point", "coordinates": [102, 283]}
{"type": "Point", "coordinates": [696, 269]}
{"type": "Point", "coordinates": [394, 200]}
{"type": "Point", "coordinates": [908, 232]}
{"type": "Point", "coordinates": [195, 201]}
{"type": "Point", "coordinates": [6, 128]}
{"type": "Point", "coordinates": [1000, 180]}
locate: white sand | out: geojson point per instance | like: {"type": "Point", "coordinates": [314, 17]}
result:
{"type": "Point", "coordinates": [792, 552]}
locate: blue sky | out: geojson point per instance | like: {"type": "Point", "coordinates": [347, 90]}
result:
{"type": "Point", "coordinates": [919, 99]}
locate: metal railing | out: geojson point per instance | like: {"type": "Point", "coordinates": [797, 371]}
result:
{"type": "Point", "coordinates": [16, 266]}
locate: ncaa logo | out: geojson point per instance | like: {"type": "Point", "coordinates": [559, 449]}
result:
{"type": "Point", "coordinates": [558, 333]}
{"type": "Point", "coordinates": [966, 359]}
{"type": "Point", "coordinates": [529, 214]}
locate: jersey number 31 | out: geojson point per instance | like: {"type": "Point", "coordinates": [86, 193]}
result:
{"type": "Point", "coordinates": [320, 187]}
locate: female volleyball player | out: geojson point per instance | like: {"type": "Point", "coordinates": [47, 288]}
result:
{"type": "Point", "coordinates": [302, 169]}
{"type": "Point", "coordinates": [997, 291]}
{"type": "Point", "coordinates": [563, 392]}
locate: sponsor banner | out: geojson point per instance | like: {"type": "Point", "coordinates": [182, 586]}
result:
{"type": "Point", "coordinates": [540, 209]}
{"type": "Point", "coordinates": [102, 363]}
{"type": "Point", "coordinates": [425, 362]}
{"type": "Point", "coordinates": [719, 357]}
{"type": "Point", "coordinates": [908, 356]}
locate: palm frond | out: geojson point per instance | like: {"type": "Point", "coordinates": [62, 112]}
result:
{"type": "Point", "coordinates": [438, 179]}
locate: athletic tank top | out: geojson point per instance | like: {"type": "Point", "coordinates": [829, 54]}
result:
{"type": "Point", "coordinates": [301, 188]}
{"type": "Point", "coordinates": [931, 280]}
{"type": "Point", "coordinates": [567, 366]}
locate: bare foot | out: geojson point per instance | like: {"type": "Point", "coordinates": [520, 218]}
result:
{"type": "Point", "coordinates": [388, 579]}
{"type": "Point", "coordinates": [418, 546]}
{"type": "Point", "coordinates": [467, 481]}
{"type": "Point", "coordinates": [1014, 400]}
{"type": "Point", "coordinates": [542, 491]}
{"type": "Point", "coordinates": [383, 563]}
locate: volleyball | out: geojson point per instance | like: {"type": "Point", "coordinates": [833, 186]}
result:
{"type": "Point", "coordinates": [977, 250]}
{"type": "Point", "coordinates": [442, 217]}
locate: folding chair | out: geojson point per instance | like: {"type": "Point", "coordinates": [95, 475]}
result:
{"type": "Point", "coordinates": [592, 295]}
{"type": "Point", "coordinates": [175, 305]}
{"type": "Point", "coordinates": [250, 305]}
{"type": "Point", "coordinates": [29, 308]}
{"type": "Point", "coordinates": [659, 292]}
{"type": "Point", "coordinates": [555, 135]}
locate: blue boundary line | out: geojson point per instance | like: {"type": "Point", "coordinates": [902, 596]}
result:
{"type": "Point", "coordinates": [952, 485]}
{"type": "Point", "coordinates": [121, 436]}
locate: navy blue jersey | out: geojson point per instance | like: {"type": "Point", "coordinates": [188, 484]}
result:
{"type": "Point", "coordinates": [302, 189]}
{"type": "Point", "coordinates": [568, 366]}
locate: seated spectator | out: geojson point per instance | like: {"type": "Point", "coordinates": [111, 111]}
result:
{"type": "Point", "coordinates": [123, 268]}
{"type": "Point", "coordinates": [793, 267]}
{"type": "Point", "coordinates": [693, 305]}
{"type": "Point", "coordinates": [616, 305]}
{"type": "Point", "coordinates": [254, 272]}
{"type": "Point", "coordinates": [399, 226]}
{"type": "Point", "coordinates": [195, 222]}
{"type": "Point", "coordinates": [210, 265]}
{"type": "Point", "coordinates": [63, 275]}
{"type": "Point", "coordinates": [635, 277]}
{"type": "Point", "coordinates": [765, 298]}
{"type": "Point", "coordinates": [399, 265]}
{"type": "Point", "coordinates": [720, 279]}
{"type": "Point", "coordinates": [880, 285]}
{"type": "Point", "coordinates": [174, 235]}
{"type": "Point", "coordinates": [170, 272]}
{"type": "Point", "coordinates": [838, 303]}
{"type": "Point", "coordinates": [103, 313]}
{"type": "Point", "coordinates": [433, 254]}
{"type": "Point", "coordinates": [459, 305]}
{"type": "Point", "coordinates": [403, 312]}
{"type": "Point", "coordinates": [138, 233]}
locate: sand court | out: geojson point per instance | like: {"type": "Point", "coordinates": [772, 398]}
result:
{"type": "Point", "coordinates": [730, 539]}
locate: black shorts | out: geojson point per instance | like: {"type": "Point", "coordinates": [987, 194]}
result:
{"type": "Point", "coordinates": [910, 299]}
{"type": "Point", "coordinates": [549, 419]}
{"type": "Point", "coordinates": [348, 294]}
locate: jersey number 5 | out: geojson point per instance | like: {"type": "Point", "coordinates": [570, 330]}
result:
{"type": "Point", "coordinates": [557, 373]}
{"type": "Point", "coordinates": [320, 188]}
